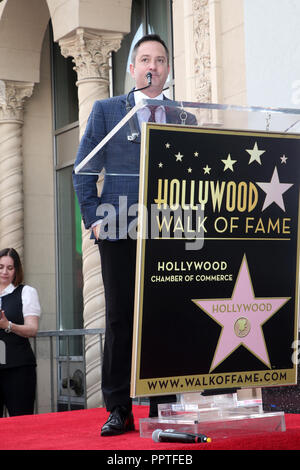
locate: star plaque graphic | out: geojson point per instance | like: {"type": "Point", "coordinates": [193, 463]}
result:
{"type": "Point", "coordinates": [217, 275]}
{"type": "Point", "coordinates": [241, 318]}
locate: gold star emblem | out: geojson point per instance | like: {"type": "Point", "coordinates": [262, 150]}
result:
{"type": "Point", "coordinates": [255, 154]}
{"type": "Point", "coordinates": [228, 163]}
{"type": "Point", "coordinates": [283, 159]}
{"type": "Point", "coordinates": [179, 157]}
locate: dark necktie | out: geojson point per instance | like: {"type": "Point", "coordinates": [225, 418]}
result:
{"type": "Point", "coordinates": [152, 113]}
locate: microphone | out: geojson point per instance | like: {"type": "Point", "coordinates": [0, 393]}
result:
{"type": "Point", "coordinates": [149, 78]}
{"type": "Point", "coordinates": [171, 435]}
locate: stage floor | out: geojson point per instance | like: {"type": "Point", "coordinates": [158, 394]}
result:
{"type": "Point", "coordinates": [80, 430]}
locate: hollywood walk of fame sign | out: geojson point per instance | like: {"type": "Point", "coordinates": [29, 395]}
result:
{"type": "Point", "coordinates": [217, 260]}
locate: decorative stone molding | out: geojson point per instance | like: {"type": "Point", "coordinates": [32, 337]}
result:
{"type": "Point", "coordinates": [12, 97]}
{"type": "Point", "coordinates": [202, 62]}
{"type": "Point", "coordinates": [90, 53]}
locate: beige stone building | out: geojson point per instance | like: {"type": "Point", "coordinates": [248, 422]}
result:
{"type": "Point", "coordinates": [56, 58]}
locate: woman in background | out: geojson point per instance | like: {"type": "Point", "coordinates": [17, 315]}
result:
{"type": "Point", "coordinates": [19, 318]}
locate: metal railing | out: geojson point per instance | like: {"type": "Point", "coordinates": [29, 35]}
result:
{"type": "Point", "coordinates": [55, 357]}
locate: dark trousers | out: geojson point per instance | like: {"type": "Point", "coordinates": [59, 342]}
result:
{"type": "Point", "coordinates": [118, 260]}
{"type": "Point", "coordinates": [17, 390]}
{"type": "Point", "coordinates": [118, 273]}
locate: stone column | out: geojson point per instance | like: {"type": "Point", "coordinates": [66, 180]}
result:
{"type": "Point", "coordinates": [207, 56]}
{"type": "Point", "coordinates": [202, 45]}
{"type": "Point", "coordinates": [12, 97]}
{"type": "Point", "coordinates": [90, 54]}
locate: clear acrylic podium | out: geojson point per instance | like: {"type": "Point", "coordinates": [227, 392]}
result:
{"type": "Point", "coordinates": [224, 415]}
{"type": "Point", "coordinates": [207, 115]}
{"type": "Point", "coordinates": [217, 417]}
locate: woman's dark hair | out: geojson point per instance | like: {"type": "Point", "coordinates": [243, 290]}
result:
{"type": "Point", "coordinates": [18, 279]}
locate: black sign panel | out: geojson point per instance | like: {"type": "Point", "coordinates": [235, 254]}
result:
{"type": "Point", "coordinates": [217, 260]}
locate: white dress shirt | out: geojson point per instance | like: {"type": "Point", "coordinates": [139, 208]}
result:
{"type": "Point", "coordinates": [144, 113]}
{"type": "Point", "coordinates": [30, 299]}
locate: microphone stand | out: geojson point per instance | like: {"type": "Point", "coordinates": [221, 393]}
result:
{"type": "Point", "coordinates": [133, 130]}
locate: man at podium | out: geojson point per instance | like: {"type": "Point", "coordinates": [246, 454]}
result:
{"type": "Point", "coordinates": [150, 69]}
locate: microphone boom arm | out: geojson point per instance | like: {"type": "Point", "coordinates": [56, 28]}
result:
{"type": "Point", "coordinates": [133, 130]}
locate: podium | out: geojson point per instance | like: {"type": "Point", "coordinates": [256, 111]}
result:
{"type": "Point", "coordinates": [216, 417]}
{"type": "Point", "coordinates": [217, 276]}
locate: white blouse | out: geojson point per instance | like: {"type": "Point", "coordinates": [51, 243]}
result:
{"type": "Point", "coordinates": [30, 299]}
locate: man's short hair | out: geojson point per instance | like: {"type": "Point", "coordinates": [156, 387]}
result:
{"type": "Point", "coordinates": [148, 37]}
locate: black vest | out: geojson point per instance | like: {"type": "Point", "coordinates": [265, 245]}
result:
{"type": "Point", "coordinates": [18, 351]}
